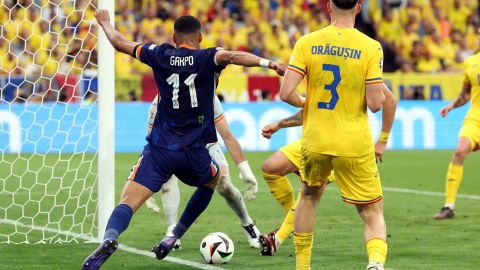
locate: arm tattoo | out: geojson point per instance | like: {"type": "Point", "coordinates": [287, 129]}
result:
{"type": "Point", "coordinates": [463, 98]}
{"type": "Point", "coordinates": [292, 121]}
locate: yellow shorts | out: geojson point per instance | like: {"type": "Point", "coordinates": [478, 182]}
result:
{"type": "Point", "coordinates": [357, 177]}
{"type": "Point", "coordinates": [471, 131]}
{"type": "Point", "coordinates": [293, 151]}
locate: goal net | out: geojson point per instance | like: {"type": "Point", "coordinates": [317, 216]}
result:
{"type": "Point", "coordinates": [48, 121]}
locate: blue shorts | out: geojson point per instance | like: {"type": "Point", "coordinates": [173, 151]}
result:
{"type": "Point", "coordinates": [194, 167]}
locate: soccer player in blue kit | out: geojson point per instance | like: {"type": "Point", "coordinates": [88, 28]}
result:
{"type": "Point", "coordinates": [186, 77]}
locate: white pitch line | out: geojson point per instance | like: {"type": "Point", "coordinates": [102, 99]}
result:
{"type": "Point", "coordinates": [120, 246]}
{"type": "Point", "coordinates": [428, 193]}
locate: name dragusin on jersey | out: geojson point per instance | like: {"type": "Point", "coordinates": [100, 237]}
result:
{"type": "Point", "coordinates": [336, 51]}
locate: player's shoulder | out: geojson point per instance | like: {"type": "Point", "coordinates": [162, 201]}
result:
{"type": "Point", "coordinates": [310, 37]}
{"type": "Point", "coordinates": [363, 38]}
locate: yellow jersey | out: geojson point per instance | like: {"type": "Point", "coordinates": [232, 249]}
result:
{"type": "Point", "coordinates": [471, 76]}
{"type": "Point", "coordinates": [338, 63]}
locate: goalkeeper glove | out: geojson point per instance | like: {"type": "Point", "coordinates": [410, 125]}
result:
{"type": "Point", "coordinates": [251, 185]}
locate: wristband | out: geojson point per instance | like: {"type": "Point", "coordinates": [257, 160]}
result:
{"type": "Point", "coordinates": [264, 63]}
{"type": "Point", "coordinates": [384, 136]}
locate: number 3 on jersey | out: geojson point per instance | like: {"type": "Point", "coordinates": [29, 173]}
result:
{"type": "Point", "coordinates": [331, 87]}
{"type": "Point", "coordinates": [174, 80]}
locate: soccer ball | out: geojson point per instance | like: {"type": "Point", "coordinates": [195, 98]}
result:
{"type": "Point", "coordinates": [216, 248]}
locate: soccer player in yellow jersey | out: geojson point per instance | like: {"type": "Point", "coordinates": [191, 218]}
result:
{"type": "Point", "coordinates": [469, 137]}
{"type": "Point", "coordinates": [344, 76]}
{"type": "Point", "coordinates": [287, 160]}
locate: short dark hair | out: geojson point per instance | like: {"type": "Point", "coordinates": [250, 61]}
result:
{"type": "Point", "coordinates": [187, 25]}
{"type": "Point", "coordinates": [345, 4]}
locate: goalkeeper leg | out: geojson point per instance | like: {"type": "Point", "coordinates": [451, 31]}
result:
{"type": "Point", "coordinates": [234, 199]}
{"type": "Point", "coordinates": [171, 202]}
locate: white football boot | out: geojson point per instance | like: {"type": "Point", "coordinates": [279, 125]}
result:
{"type": "Point", "coordinates": [253, 235]}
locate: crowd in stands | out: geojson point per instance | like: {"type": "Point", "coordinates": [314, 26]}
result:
{"type": "Point", "coordinates": [41, 38]}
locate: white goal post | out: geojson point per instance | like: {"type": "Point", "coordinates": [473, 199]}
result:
{"type": "Point", "coordinates": [106, 122]}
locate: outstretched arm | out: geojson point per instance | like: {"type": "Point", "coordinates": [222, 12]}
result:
{"type": "Point", "coordinates": [388, 116]}
{"type": "Point", "coordinates": [461, 100]}
{"type": "Point", "coordinates": [224, 57]}
{"type": "Point", "coordinates": [291, 121]}
{"type": "Point", "coordinates": [287, 90]}
{"type": "Point", "coordinates": [118, 41]}
{"type": "Point", "coordinates": [235, 150]}
{"type": "Point", "coordinates": [232, 144]}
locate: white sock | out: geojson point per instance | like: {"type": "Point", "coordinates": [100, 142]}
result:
{"type": "Point", "coordinates": [234, 199]}
{"type": "Point", "coordinates": [171, 201]}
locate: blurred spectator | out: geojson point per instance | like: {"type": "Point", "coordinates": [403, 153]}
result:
{"type": "Point", "coordinates": [59, 37]}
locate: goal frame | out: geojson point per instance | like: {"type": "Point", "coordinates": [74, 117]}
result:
{"type": "Point", "coordinates": [106, 123]}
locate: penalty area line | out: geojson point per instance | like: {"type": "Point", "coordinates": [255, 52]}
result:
{"type": "Point", "coordinates": [125, 248]}
{"type": "Point", "coordinates": [428, 193]}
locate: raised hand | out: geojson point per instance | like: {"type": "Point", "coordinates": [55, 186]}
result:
{"type": "Point", "coordinates": [102, 16]}
{"type": "Point", "coordinates": [278, 67]}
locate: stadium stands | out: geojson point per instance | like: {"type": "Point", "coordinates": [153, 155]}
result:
{"type": "Point", "coordinates": [43, 39]}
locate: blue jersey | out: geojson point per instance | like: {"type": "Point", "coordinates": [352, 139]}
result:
{"type": "Point", "coordinates": [186, 79]}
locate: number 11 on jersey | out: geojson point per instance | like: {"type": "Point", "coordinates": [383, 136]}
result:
{"type": "Point", "coordinates": [174, 80]}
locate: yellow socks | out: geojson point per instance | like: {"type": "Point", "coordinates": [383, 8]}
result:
{"type": "Point", "coordinates": [288, 223]}
{"type": "Point", "coordinates": [377, 250]}
{"type": "Point", "coordinates": [454, 179]}
{"type": "Point", "coordinates": [281, 190]}
{"type": "Point", "coordinates": [303, 249]}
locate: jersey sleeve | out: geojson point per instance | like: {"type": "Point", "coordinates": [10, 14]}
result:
{"type": "Point", "coordinates": [375, 65]}
{"type": "Point", "coordinates": [217, 109]}
{"type": "Point", "coordinates": [209, 55]}
{"type": "Point", "coordinates": [298, 60]}
{"type": "Point", "coordinates": [148, 54]}
{"type": "Point", "coordinates": [152, 111]}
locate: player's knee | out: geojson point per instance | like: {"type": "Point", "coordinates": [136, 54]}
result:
{"type": "Point", "coordinates": [268, 167]}
{"type": "Point", "coordinates": [224, 188]}
{"type": "Point", "coordinates": [461, 152]}
{"type": "Point", "coordinates": [214, 182]}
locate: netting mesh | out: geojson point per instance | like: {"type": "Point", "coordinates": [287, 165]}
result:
{"type": "Point", "coordinates": [48, 121]}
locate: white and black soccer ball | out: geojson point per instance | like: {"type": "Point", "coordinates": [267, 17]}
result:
{"type": "Point", "coordinates": [216, 248]}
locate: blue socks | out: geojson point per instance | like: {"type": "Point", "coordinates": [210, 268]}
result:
{"type": "Point", "coordinates": [196, 205]}
{"type": "Point", "coordinates": [118, 221]}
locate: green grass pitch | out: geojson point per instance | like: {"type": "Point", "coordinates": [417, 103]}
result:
{"type": "Point", "coordinates": [416, 241]}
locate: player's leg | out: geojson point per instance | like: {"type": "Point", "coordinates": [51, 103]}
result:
{"type": "Point", "coordinates": [275, 169]}
{"type": "Point", "coordinates": [193, 167]}
{"type": "Point", "coordinates": [234, 197]}
{"type": "Point", "coordinates": [454, 176]}
{"type": "Point", "coordinates": [135, 192]}
{"type": "Point", "coordinates": [305, 218]}
{"type": "Point", "coordinates": [316, 168]}
{"type": "Point", "coordinates": [171, 201]}
{"type": "Point", "coordinates": [375, 233]}
{"type": "Point", "coordinates": [151, 204]}
{"type": "Point", "coordinates": [359, 183]}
